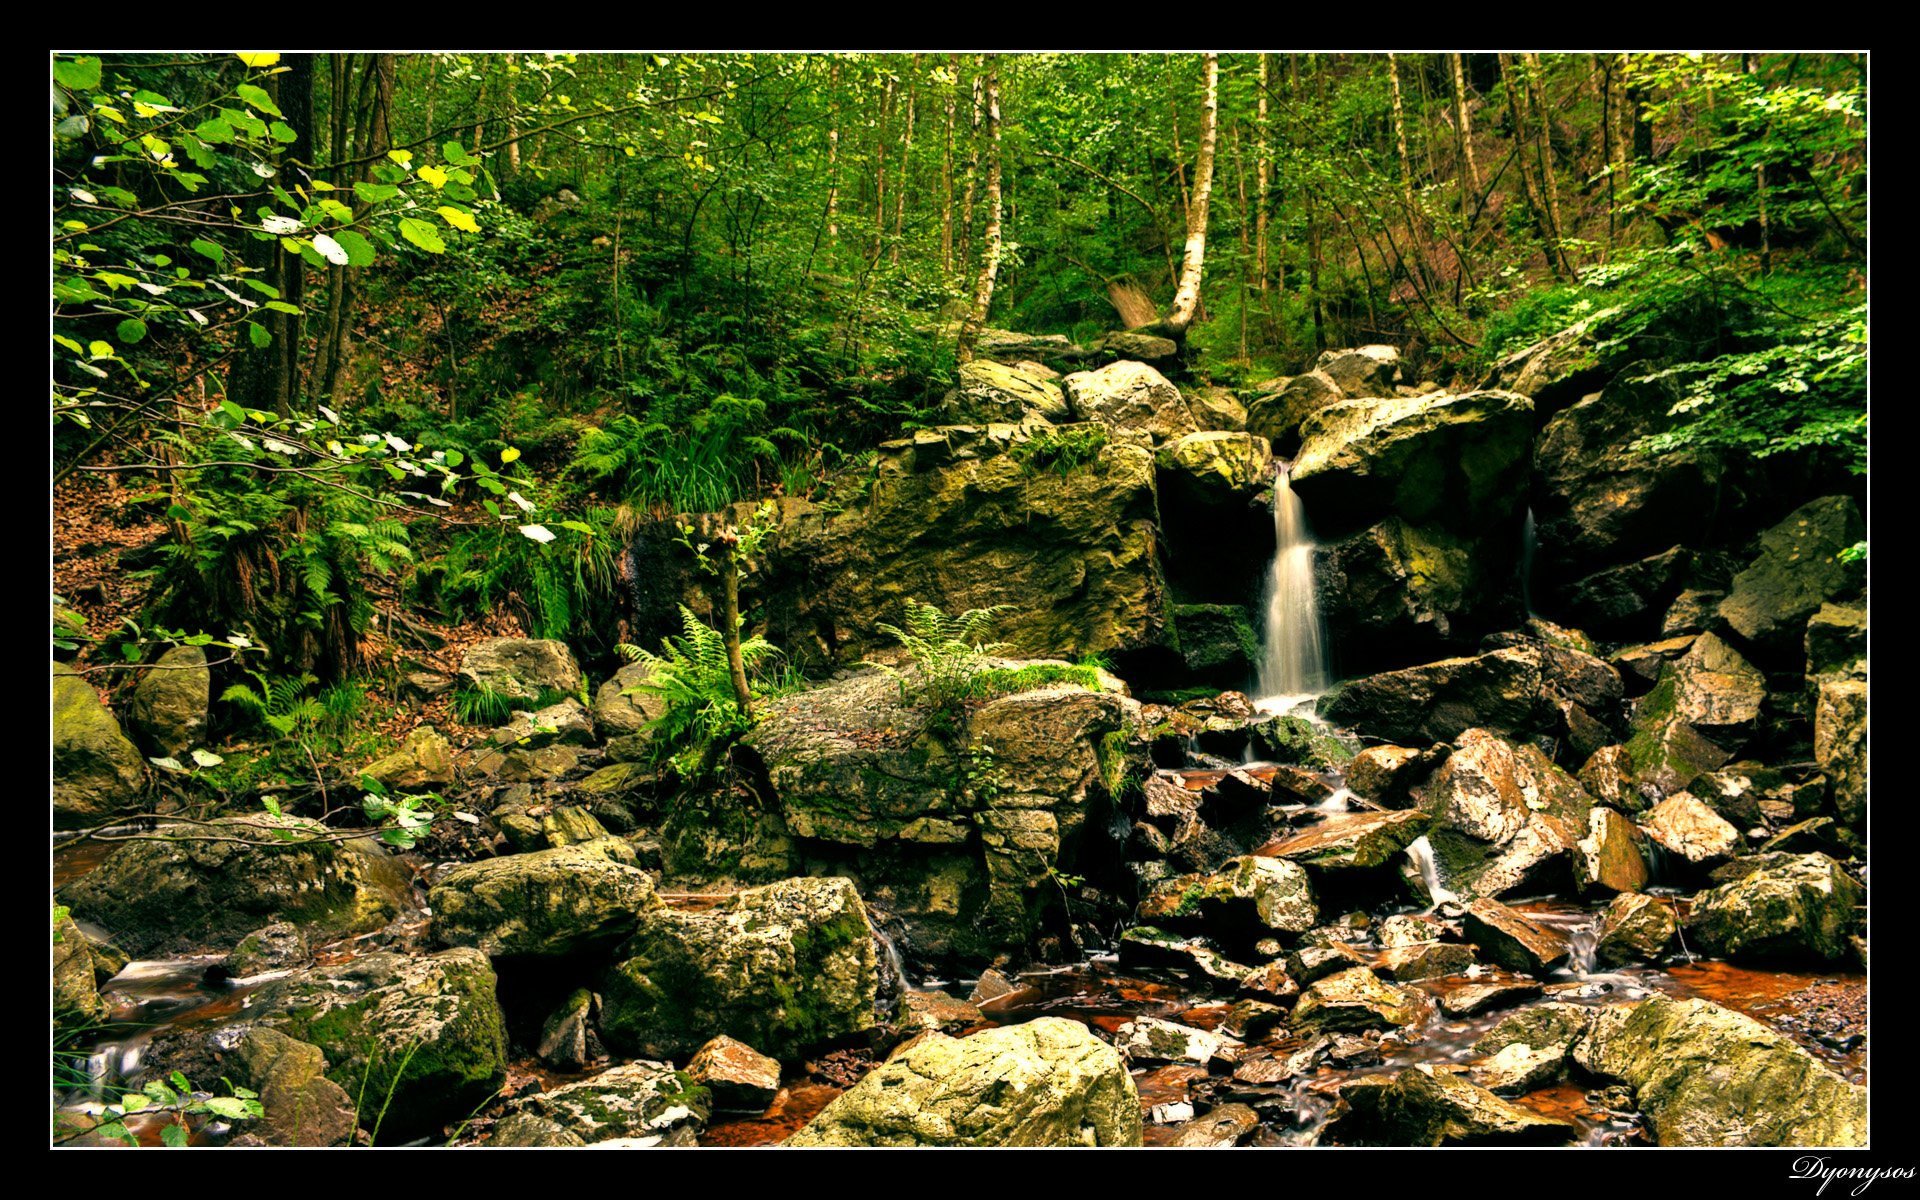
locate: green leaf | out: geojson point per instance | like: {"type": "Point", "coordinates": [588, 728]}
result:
{"type": "Point", "coordinates": [374, 193]}
{"type": "Point", "coordinates": [229, 1107]}
{"type": "Point", "coordinates": [174, 1135]}
{"type": "Point", "coordinates": [214, 130]}
{"type": "Point", "coordinates": [359, 249]}
{"type": "Point", "coordinates": [458, 219]}
{"type": "Point", "coordinates": [283, 133]}
{"type": "Point", "coordinates": [258, 335]}
{"type": "Point", "coordinates": [75, 74]}
{"type": "Point", "coordinates": [118, 1132]}
{"type": "Point", "coordinates": [131, 330]}
{"type": "Point", "coordinates": [206, 249]}
{"type": "Point", "coordinates": [258, 99]}
{"type": "Point", "coordinates": [207, 758]}
{"type": "Point", "coordinates": [422, 235]}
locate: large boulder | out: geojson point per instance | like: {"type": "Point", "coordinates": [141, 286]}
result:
{"type": "Point", "coordinates": [169, 710]}
{"type": "Point", "coordinates": [303, 1106]}
{"type": "Point", "coordinates": [97, 772]}
{"type": "Point", "coordinates": [784, 968]}
{"type": "Point", "coordinates": [1563, 367]}
{"type": "Point", "coordinates": [1363, 371]}
{"type": "Point", "coordinates": [1515, 940]}
{"type": "Point", "coordinates": [1249, 897]}
{"type": "Point", "coordinates": [1130, 396]}
{"type": "Point", "coordinates": [1636, 928]}
{"type": "Point", "coordinates": [1456, 461]}
{"type": "Point", "coordinates": [76, 995]}
{"type": "Point", "coordinates": [1798, 569]}
{"type": "Point", "coordinates": [521, 670]}
{"type": "Point", "coordinates": [645, 1100]}
{"type": "Point", "coordinates": [1708, 1076]}
{"type": "Point", "coordinates": [989, 392]}
{"type": "Point", "coordinates": [1425, 1107]}
{"type": "Point", "coordinates": [1704, 709]}
{"type": "Point", "coordinates": [548, 904]}
{"type": "Point", "coordinates": [1355, 999]}
{"type": "Point", "coordinates": [1505, 818]}
{"type": "Point", "coordinates": [1396, 591]}
{"type": "Point", "coordinates": [619, 710]}
{"type": "Point", "coordinates": [1688, 828]}
{"type": "Point", "coordinates": [1351, 842]}
{"type": "Point", "coordinates": [211, 890]}
{"type": "Point", "coordinates": [1140, 345]}
{"type": "Point", "coordinates": [1504, 690]}
{"type": "Point", "coordinates": [1788, 908]}
{"type": "Point", "coordinates": [424, 1035]}
{"type": "Point", "coordinates": [1048, 1082]}
{"type": "Point", "coordinates": [424, 760]}
{"type": "Point", "coordinates": [1215, 468]}
{"type": "Point", "coordinates": [1279, 415]}
{"type": "Point", "coordinates": [1840, 746]}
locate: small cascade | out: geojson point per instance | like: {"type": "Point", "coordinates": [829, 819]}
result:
{"type": "Point", "coordinates": [1583, 948]}
{"type": "Point", "coordinates": [1420, 854]}
{"type": "Point", "coordinates": [1294, 665]}
{"type": "Point", "coordinates": [1528, 544]}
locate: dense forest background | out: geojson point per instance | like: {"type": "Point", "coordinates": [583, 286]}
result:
{"type": "Point", "coordinates": [367, 346]}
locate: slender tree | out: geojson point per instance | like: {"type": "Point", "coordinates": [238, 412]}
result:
{"type": "Point", "coordinates": [1186, 298]}
{"type": "Point", "coordinates": [990, 250]}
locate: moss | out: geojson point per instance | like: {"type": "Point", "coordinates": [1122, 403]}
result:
{"type": "Point", "coordinates": [1656, 708]}
{"type": "Point", "coordinates": [1189, 903]}
{"type": "Point", "coordinates": [1005, 681]}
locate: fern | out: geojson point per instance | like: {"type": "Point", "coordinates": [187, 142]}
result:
{"type": "Point", "coordinates": [949, 651]}
{"type": "Point", "coordinates": [693, 677]}
{"type": "Point", "coordinates": [281, 703]}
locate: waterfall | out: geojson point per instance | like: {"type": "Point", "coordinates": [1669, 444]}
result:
{"type": "Point", "coordinates": [1420, 854]}
{"type": "Point", "coordinates": [1294, 665]}
{"type": "Point", "coordinates": [1527, 544]}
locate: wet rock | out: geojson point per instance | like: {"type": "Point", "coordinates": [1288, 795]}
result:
{"type": "Point", "coordinates": [1504, 817]}
{"type": "Point", "coordinates": [1424, 1107]}
{"type": "Point", "coordinates": [1684, 826]}
{"type": "Point", "coordinates": [1840, 746]}
{"type": "Point", "coordinates": [782, 968]}
{"type": "Point", "coordinates": [1129, 395]}
{"type": "Point", "coordinates": [1607, 776]}
{"type": "Point", "coordinates": [524, 1130]}
{"type": "Point", "coordinates": [424, 761]}
{"type": "Point", "coordinates": [1789, 908]}
{"type": "Point", "coordinates": [1270, 984]}
{"type": "Point", "coordinates": [427, 1032]}
{"type": "Point", "coordinates": [271, 948]}
{"type": "Point", "coordinates": [567, 1039]}
{"type": "Point", "coordinates": [1612, 855]}
{"type": "Point", "coordinates": [1430, 961]}
{"type": "Point", "coordinates": [1148, 946]}
{"type": "Point", "coordinates": [1216, 409]}
{"type": "Point", "coordinates": [1496, 991]}
{"type": "Point", "coordinates": [1224, 1125]}
{"type": "Point", "coordinates": [1351, 841]}
{"type": "Point", "coordinates": [1511, 939]}
{"type": "Point", "coordinates": [1365, 371]}
{"type": "Point", "coordinates": [1253, 1019]}
{"type": "Point", "coordinates": [1249, 896]}
{"type": "Point", "coordinates": [1798, 570]}
{"type": "Point", "coordinates": [1404, 929]}
{"type": "Point", "coordinates": [1216, 468]}
{"type": "Point", "coordinates": [1643, 663]}
{"type": "Point", "coordinates": [1707, 1076]}
{"type": "Point", "coordinates": [168, 715]}
{"type": "Point", "coordinates": [1150, 1039]}
{"type": "Point", "coordinates": [1636, 928]}
{"type": "Point", "coordinates": [1216, 642]}
{"type": "Point", "coordinates": [161, 896]}
{"type": "Point", "coordinates": [1310, 964]}
{"type": "Point", "coordinates": [991, 392]}
{"type": "Point", "coordinates": [1048, 1082]}
{"type": "Point", "coordinates": [937, 1010]}
{"type": "Point", "coordinates": [1399, 591]}
{"type": "Point", "coordinates": [1501, 691]}
{"type": "Point", "coordinates": [1518, 1069]}
{"type": "Point", "coordinates": [1357, 999]}
{"type": "Point", "coordinates": [740, 1078]}
{"type": "Point", "coordinates": [303, 1107]}
{"type": "Point", "coordinates": [1279, 414]}
{"type": "Point", "coordinates": [990, 986]}
{"type": "Point", "coordinates": [76, 997]}
{"type": "Point", "coordinates": [97, 772]}
{"type": "Point", "coordinates": [633, 1100]}
{"type": "Point", "coordinates": [548, 904]}
{"type": "Point", "coordinates": [1549, 1026]}
{"type": "Point", "coordinates": [1383, 774]}
{"type": "Point", "coordinates": [521, 670]}
{"type": "Point", "coordinates": [1458, 461]}
{"type": "Point", "coordinates": [1836, 639]}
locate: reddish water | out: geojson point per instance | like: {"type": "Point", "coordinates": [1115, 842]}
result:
{"type": "Point", "coordinates": [792, 1108]}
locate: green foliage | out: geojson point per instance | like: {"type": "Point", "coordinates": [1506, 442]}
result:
{"type": "Point", "coordinates": [280, 704]}
{"type": "Point", "coordinates": [173, 1100]}
{"type": "Point", "coordinates": [950, 652]}
{"type": "Point", "coordinates": [406, 818]}
{"type": "Point", "coordinates": [692, 677]}
{"type": "Point", "coordinates": [1005, 681]}
{"type": "Point", "coordinates": [1060, 449]}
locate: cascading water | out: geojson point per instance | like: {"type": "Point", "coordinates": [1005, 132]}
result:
{"type": "Point", "coordinates": [1294, 665]}
{"type": "Point", "coordinates": [1420, 854]}
{"type": "Point", "coordinates": [1527, 545]}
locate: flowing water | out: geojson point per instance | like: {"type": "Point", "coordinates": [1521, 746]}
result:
{"type": "Point", "coordinates": [1527, 546]}
{"type": "Point", "coordinates": [1293, 667]}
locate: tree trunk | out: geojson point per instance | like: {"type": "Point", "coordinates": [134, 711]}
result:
{"type": "Point", "coordinates": [1262, 179]}
{"type": "Point", "coordinates": [833, 150]}
{"type": "Point", "coordinates": [1400, 142]}
{"type": "Point", "coordinates": [906, 166]}
{"type": "Point", "coordinates": [946, 175]}
{"type": "Point", "coordinates": [728, 542]}
{"type": "Point", "coordinates": [973, 163]}
{"type": "Point", "coordinates": [1516, 105]}
{"type": "Point", "coordinates": [268, 377]}
{"type": "Point", "coordinates": [1537, 91]}
{"type": "Point", "coordinates": [990, 251]}
{"type": "Point", "coordinates": [1463, 133]}
{"type": "Point", "coordinates": [880, 172]}
{"type": "Point", "coordinates": [1186, 298]}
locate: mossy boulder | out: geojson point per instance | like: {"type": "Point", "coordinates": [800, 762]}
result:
{"type": "Point", "coordinates": [1279, 413]}
{"type": "Point", "coordinates": [1362, 370]}
{"type": "Point", "coordinates": [784, 968]}
{"type": "Point", "coordinates": [1130, 396]}
{"type": "Point", "coordinates": [303, 1106]}
{"type": "Point", "coordinates": [1352, 841]}
{"type": "Point", "coordinates": [1840, 746]}
{"type": "Point", "coordinates": [427, 1032]}
{"type": "Point", "coordinates": [996, 392]}
{"type": "Point", "coordinates": [521, 670]}
{"type": "Point", "coordinates": [159, 897]}
{"type": "Point", "coordinates": [1505, 818]}
{"type": "Point", "coordinates": [76, 995]}
{"type": "Point", "coordinates": [633, 1100]}
{"type": "Point", "coordinates": [1248, 897]}
{"type": "Point", "coordinates": [1502, 691]}
{"type": "Point", "coordinates": [168, 715]}
{"type": "Point", "coordinates": [1217, 642]}
{"type": "Point", "coordinates": [1787, 908]}
{"type": "Point", "coordinates": [1798, 569]}
{"type": "Point", "coordinates": [423, 761]}
{"type": "Point", "coordinates": [548, 904]}
{"type": "Point", "coordinates": [1708, 1076]}
{"type": "Point", "coordinates": [618, 710]}
{"type": "Point", "coordinates": [97, 772]}
{"type": "Point", "coordinates": [1399, 591]}
{"type": "Point", "coordinates": [1216, 468]}
{"type": "Point", "coordinates": [1049, 1082]}
{"type": "Point", "coordinates": [1422, 1106]}
{"type": "Point", "coordinates": [1636, 928]}
{"type": "Point", "coordinates": [1355, 999]}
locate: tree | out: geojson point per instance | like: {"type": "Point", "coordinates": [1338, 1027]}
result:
{"type": "Point", "coordinates": [990, 251]}
{"type": "Point", "coordinates": [1186, 297]}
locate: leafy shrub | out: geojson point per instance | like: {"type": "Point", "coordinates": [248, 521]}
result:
{"type": "Point", "coordinates": [693, 678]}
{"type": "Point", "coordinates": [1060, 449]}
{"type": "Point", "coordinates": [949, 652]}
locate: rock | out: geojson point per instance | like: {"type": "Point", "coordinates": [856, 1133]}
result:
{"type": "Point", "coordinates": [552, 829]}
{"type": "Point", "coordinates": [548, 904]}
{"type": "Point", "coordinates": [1430, 960]}
{"type": "Point", "coordinates": [1351, 841]}
{"type": "Point", "coordinates": [1129, 395]}
{"type": "Point", "coordinates": [526, 1130]}
{"type": "Point", "coordinates": [1790, 908]}
{"type": "Point", "coordinates": [1694, 610]}
{"type": "Point", "coordinates": [741, 1078]}
{"type": "Point", "coordinates": [1405, 929]}
{"type": "Point", "coordinates": [1622, 600]}
{"type": "Point", "coordinates": [1636, 929]}
{"type": "Point", "coordinates": [1150, 1039]}
{"type": "Point", "coordinates": [169, 710]}
{"type": "Point", "coordinates": [1048, 1082]}
{"type": "Point", "coordinates": [424, 685]}
{"type": "Point", "coordinates": [618, 710]}
{"type": "Point", "coordinates": [1836, 639]}
{"type": "Point", "coordinates": [1279, 415]}
{"type": "Point", "coordinates": [633, 1100]}
{"type": "Point", "coordinates": [1707, 1076]}
{"type": "Point", "coordinates": [1612, 856]}
{"type": "Point", "coordinates": [1642, 664]}
{"type": "Point", "coordinates": [1216, 410]}
{"type": "Point", "coordinates": [782, 967]}
{"type": "Point", "coordinates": [521, 670]}
{"type": "Point", "coordinates": [1148, 946]}
{"type": "Point", "coordinates": [1310, 964]}
{"type": "Point", "coordinates": [1383, 774]}
{"type": "Point", "coordinates": [520, 765]}
{"type": "Point", "coordinates": [1718, 692]}
{"type": "Point", "coordinates": [76, 996]}
{"type": "Point", "coordinates": [989, 391]}
{"type": "Point", "coordinates": [1798, 570]}
{"type": "Point", "coordinates": [1502, 691]}
{"type": "Point", "coordinates": [1497, 991]}
{"type": "Point", "coordinates": [1456, 461]}
{"type": "Point", "coordinates": [1249, 897]}
{"type": "Point", "coordinates": [1840, 746]}
{"type": "Point", "coordinates": [1366, 371]}
{"type": "Point", "coordinates": [1144, 347]}
{"type": "Point", "coordinates": [1504, 817]}
{"type": "Point", "coordinates": [1607, 776]}
{"type": "Point", "coordinates": [1518, 1069]}
{"type": "Point", "coordinates": [937, 1010]}
{"type": "Point", "coordinates": [1542, 1027]}
{"type": "Point", "coordinates": [1424, 1107]}
{"type": "Point", "coordinates": [1802, 838]}
{"type": "Point", "coordinates": [1270, 984]}
{"type": "Point", "coordinates": [1397, 591]}
{"type": "Point", "coordinates": [1224, 1125]}
{"type": "Point", "coordinates": [990, 986]}
{"type": "Point", "coordinates": [1565, 366]}
{"type": "Point", "coordinates": [162, 896]}
{"type": "Point", "coordinates": [303, 1107]}
{"type": "Point", "coordinates": [1358, 999]}
{"type": "Point", "coordinates": [1253, 1020]}
{"type": "Point", "coordinates": [424, 761]}
{"type": "Point", "coordinates": [426, 1032]}
{"type": "Point", "coordinates": [567, 1039]}
{"type": "Point", "coordinates": [566, 723]}
{"type": "Point", "coordinates": [97, 772]}
{"type": "Point", "coordinates": [1514, 941]}
{"type": "Point", "coordinates": [1216, 641]}
{"type": "Point", "coordinates": [1216, 468]}
{"type": "Point", "coordinates": [1682, 825]}
{"type": "Point", "coordinates": [272, 948]}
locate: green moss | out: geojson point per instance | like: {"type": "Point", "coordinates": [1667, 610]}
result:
{"type": "Point", "coordinates": [1656, 708]}
{"type": "Point", "coordinates": [1005, 681]}
{"type": "Point", "coordinates": [1061, 449]}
